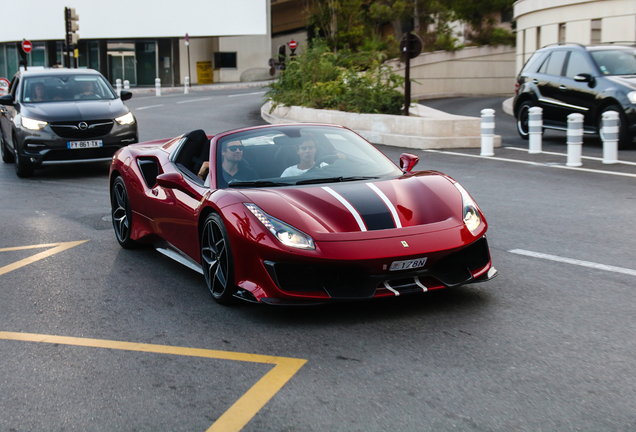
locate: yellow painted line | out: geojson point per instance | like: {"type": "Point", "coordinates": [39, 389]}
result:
{"type": "Point", "coordinates": [240, 413]}
{"type": "Point", "coordinates": [55, 248]}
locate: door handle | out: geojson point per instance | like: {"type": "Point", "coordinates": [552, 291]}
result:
{"type": "Point", "coordinates": [562, 87]}
{"type": "Point", "coordinates": [535, 81]}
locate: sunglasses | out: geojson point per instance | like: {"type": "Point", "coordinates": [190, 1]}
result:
{"type": "Point", "coordinates": [236, 147]}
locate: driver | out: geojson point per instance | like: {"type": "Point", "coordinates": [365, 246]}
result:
{"type": "Point", "coordinates": [307, 153]}
{"type": "Point", "coordinates": [233, 166]}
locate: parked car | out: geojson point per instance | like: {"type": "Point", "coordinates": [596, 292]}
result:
{"type": "Point", "coordinates": [298, 214]}
{"type": "Point", "coordinates": [56, 116]}
{"type": "Point", "coordinates": [570, 78]}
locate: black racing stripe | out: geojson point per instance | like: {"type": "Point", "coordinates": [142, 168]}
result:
{"type": "Point", "coordinates": [374, 212]}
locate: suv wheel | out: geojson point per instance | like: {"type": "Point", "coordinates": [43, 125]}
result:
{"type": "Point", "coordinates": [625, 138]}
{"type": "Point", "coordinates": [22, 167]}
{"type": "Point", "coordinates": [7, 156]}
{"type": "Point", "coordinates": [522, 119]}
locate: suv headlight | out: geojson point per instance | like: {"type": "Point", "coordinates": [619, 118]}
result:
{"type": "Point", "coordinates": [632, 97]}
{"type": "Point", "coordinates": [126, 119]}
{"type": "Point", "coordinates": [33, 124]}
{"type": "Point", "coordinates": [471, 216]}
{"type": "Point", "coordinates": [286, 234]}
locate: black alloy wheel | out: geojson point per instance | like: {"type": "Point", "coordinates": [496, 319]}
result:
{"type": "Point", "coordinates": [625, 138]}
{"type": "Point", "coordinates": [522, 119]}
{"type": "Point", "coordinates": [121, 214]}
{"type": "Point", "coordinates": [216, 260]}
{"type": "Point", "coordinates": [23, 168]}
{"type": "Point", "coordinates": [7, 156]}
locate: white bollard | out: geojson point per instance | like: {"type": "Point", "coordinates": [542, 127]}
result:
{"type": "Point", "coordinates": [158, 86]}
{"type": "Point", "coordinates": [118, 86]}
{"type": "Point", "coordinates": [126, 85]}
{"type": "Point", "coordinates": [535, 129]}
{"type": "Point", "coordinates": [186, 87]}
{"type": "Point", "coordinates": [575, 139]}
{"type": "Point", "coordinates": [487, 132]}
{"type": "Point", "coordinates": [610, 137]}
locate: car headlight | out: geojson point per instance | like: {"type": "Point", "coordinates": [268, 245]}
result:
{"type": "Point", "coordinates": [471, 216]}
{"type": "Point", "coordinates": [632, 97]}
{"type": "Point", "coordinates": [33, 124]}
{"type": "Point", "coordinates": [126, 119]}
{"type": "Point", "coordinates": [286, 234]}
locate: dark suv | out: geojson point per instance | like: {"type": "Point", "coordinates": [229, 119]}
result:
{"type": "Point", "coordinates": [571, 78]}
{"type": "Point", "coordinates": [53, 116]}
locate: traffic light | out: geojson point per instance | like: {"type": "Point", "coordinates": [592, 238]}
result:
{"type": "Point", "coordinates": [72, 26]}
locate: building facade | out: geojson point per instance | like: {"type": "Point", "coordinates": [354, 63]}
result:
{"type": "Point", "coordinates": [141, 40]}
{"type": "Point", "coordinates": [544, 22]}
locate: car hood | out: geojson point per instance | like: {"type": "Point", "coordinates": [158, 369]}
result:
{"type": "Point", "coordinates": [382, 208]}
{"type": "Point", "coordinates": [628, 80]}
{"type": "Point", "coordinates": [75, 110]}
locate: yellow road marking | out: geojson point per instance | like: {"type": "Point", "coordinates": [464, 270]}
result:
{"type": "Point", "coordinates": [240, 413]}
{"type": "Point", "coordinates": [56, 247]}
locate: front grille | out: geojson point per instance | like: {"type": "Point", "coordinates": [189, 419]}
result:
{"type": "Point", "coordinates": [82, 129]}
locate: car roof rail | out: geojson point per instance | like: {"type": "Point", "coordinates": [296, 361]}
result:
{"type": "Point", "coordinates": [562, 43]}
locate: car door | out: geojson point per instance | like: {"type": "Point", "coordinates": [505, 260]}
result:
{"type": "Point", "coordinates": [8, 114]}
{"type": "Point", "coordinates": [548, 82]}
{"type": "Point", "coordinates": [579, 96]}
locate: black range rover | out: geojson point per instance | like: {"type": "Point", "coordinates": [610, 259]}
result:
{"type": "Point", "coordinates": [571, 78]}
{"type": "Point", "coordinates": [55, 116]}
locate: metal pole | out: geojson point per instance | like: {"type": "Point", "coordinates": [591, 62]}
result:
{"type": "Point", "coordinates": [188, 49]}
{"type": "Point", "coordinates": [407, 76]}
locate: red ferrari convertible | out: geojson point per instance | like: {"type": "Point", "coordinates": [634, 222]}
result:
{"type": "Point", "coordinates": [298, 214]}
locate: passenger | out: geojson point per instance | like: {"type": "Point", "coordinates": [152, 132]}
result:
{"type": "Point", "coordinates": [307, 153]}
{"type": "Point", "coordinates": [233, 166]}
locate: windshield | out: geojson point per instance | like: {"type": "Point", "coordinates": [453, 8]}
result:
{"type": "Point", "coordinates": [290, 155]}
{"type": "Point", "coordinates": [616, 62]}
{"type": "Point", "coordinates": [66, 88]}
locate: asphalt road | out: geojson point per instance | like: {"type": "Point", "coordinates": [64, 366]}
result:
{"type": "Point", "coordinates": [97, 338]}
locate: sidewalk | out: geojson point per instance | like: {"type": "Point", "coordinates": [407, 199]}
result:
{"type": "Point", "coordinates": [195, 88]}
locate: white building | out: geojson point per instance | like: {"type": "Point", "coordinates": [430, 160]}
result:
{"type": "Point", "coordinates": [543, 22]}
{"type": "Point", "coordinates": [140, 40]}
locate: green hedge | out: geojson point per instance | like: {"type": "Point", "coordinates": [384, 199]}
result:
{"type": "Point", "coordinates": [351, 82]}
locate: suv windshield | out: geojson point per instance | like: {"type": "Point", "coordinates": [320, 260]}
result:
{"type": "Point", "coordinates": [65, 88]}
{"type": "Point", "coordinates": [616, 62]}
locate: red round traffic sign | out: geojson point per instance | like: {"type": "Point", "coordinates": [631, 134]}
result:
{"type": "Point", "coordinates": [26, 46]}
{"type": "Point", "coordinates": [292, 44]}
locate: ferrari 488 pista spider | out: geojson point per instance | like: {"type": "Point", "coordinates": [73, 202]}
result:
{"type": "Point", "coordinates": [298, 214]}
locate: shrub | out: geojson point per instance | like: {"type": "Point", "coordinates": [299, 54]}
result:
{"type": "Point", "coordinates": [353, 82]}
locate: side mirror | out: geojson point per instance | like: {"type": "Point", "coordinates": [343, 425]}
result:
{"type": "Point", "coordinates": [176, 181]}
{"type": "Point", "coordinates": [6, 100]}
{"type": "Point", "coordinates": [584, 77]}
{"type": "Point", "coordinates": [408, 162]}
{"type": "Point", "coordinates": [125, 95]}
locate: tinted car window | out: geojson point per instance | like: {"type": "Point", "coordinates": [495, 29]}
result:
{"type": "Point", "coordinates": [616, 62]}
{"type": "Point", "coordinates": [534, 62]}
{"type": "Point", "coordinates": [578, 64]}
{"type": "Point", "coordinates": [555, 63]}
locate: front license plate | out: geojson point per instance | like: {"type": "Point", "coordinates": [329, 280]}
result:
{"type": "Point", "coordinates": [409, 264]}
{"type": "Point", "coordinates": [84, 144]}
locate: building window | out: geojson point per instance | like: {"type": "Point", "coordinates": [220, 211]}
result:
{"type": "Point", "coordinates": [595, 37]}
{"type": "Point", "coordinates": [224, 60]}
{"type": "Point", "coordinates": [561, 32]}
{"type": "Point", "coordinates": [538, 37]}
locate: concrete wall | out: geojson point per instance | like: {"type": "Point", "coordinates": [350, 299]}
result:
{"type": "Point", "coordinates": [472, 71]}
{"type": "Point", "coordinates": [618, 23]}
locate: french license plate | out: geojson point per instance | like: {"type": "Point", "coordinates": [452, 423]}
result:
{"type": "Point", "coordinates": [84, 144]}
{"type": "Point", "coordinates": [408, 264]}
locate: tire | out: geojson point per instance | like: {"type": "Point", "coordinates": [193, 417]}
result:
{"type": "Point", "coordinates": [216, 260]}
{"type": "Point", "coordinates": [23, 168]}
{"type": "Point", "coordinates": [7, 156]}
{"type": "Point", "coordinates": [121, 214]}
{"type": "Point", "coordinates": [625, 138]}
{"type": "Point", "coordinates": [522, 119]}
